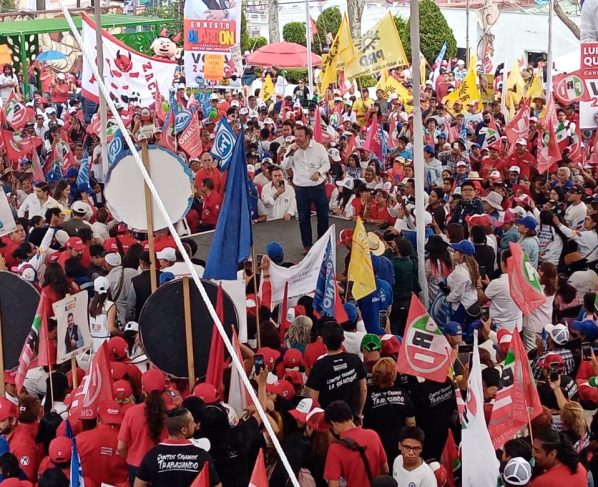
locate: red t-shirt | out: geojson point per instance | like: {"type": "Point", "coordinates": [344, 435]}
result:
{"type": "Point", "coordinates": [214, 175]}
{"type": "Point", "coordinates": [8, 250]}
{"type": "Point", "coordinates": [560, 475]}
{"type": "Point", "coordinates": [313, 352]}
{"type": "Point", "coordinates": [97, 449]}
{"type": "Point", "coordinates": [23, 446]}
{"type": "Point", "coordinates": [134, 430]}
{"type": "Point", "coordinates": [381, 214]}
{"type": "Point", "coordinates": [46, 464]}
{"type": "Point", "coordinates": [60, 93]}
{"type": "Point", "coordinates": [211, 209]}
{"type": "Point", "coordinates": [346, 463]}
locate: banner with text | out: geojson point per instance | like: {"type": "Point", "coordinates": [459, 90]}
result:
{"type": "Point", "coordinates": [588, 110]}
{"type": "Point", "coordinates": [211, 32]}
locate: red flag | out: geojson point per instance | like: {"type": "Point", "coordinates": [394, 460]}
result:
{"type": "Point", "coordinates": [203, 477]}
{"type": "Point", "coordinates": [46, 352]}
{"type": "Point", "coordinates": [158, 106]}
{"type": "Point", "coordinates": [454, 134]}
{"type": "Point", "coordinates": [425, 351]}
{"type": "Point", "coordinates": [350, 146]}
{"type": "Point", "coordinates": [17, 115]}
{"type": "Point", "coordinates": [392, 127]}
{"type": "Point", "coordinates": [284, 322]}
{"type": "Point", "coordinates": [575, 149]}
{"type": "Point", "coordinates": [259, 477]}
{"type": "Point", "coordinates": [519, 126]}
{"type": "Point", "coordinates": [38, 173]}
{"type": "Point", "coordinates": [450, 459]}
{"type": "Point", "coordinates": [96, 386]}
{"type": "Point", "coordinates": [167, 139]}
{"type": "Point", "coordinates": [524, 283]}
{"type": "Point", "coordinates": [517, 401]}
{"type": "Point", "coordinates": [318, 135]}
{"type": "Point", "coordinates": [238, 396]}
{"type": "Point", "coordinates": [372, 141]}
{"type": "Point", "coordinates": [215, 370]}
{"type": "Point", "coordinates": [339, 310]}
{"type": "Point", "coordinates": [189, 140]}
{"type": "Point", "coordinates": [312, 27]}
{"type": "Point", "coordinates": [13, 149]}
{"type": "Point", "coordinates": [548, 150]}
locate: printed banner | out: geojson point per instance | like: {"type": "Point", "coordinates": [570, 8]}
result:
{"type": "Point", "coordinates": [7, 219]}
{"type": "Point", "coordinates": [130, 76]}
{"type": "Point", "coordinates": [73, 335]}
{"type": "Point", "coordinates": [588, 110]}
{"type": "Point", "coordinates": [211, 30]}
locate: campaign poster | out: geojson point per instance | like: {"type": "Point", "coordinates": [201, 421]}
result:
{"type": "Point", "coordinates": [72, 317]}
{"type": "Point", "coordinates": [588, 110]}
{"type": "Point", "coordinates": [212, 28]}
{"type": "Point", "coordinates": [7, 219]}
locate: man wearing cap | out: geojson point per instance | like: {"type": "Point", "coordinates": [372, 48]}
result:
{"type": "Point", "coordinates": [75, 249]}
{"type": "Point", "coordinates": [79, 210]}
{"type": "Point", "coordinates": [21, 434]}
{"type": "Point", "coordinates": [176, 461]}
{"type": "Point", "coordinates": [120, 284]}
{"type": "Point", "coordinates": [59, 92]}
{"type": "Point", "coordinates": [278, 197]}
{"type": "Point", "coordinates": [577, 210]}
{"type": "Point", "coordinates": [557, 337]}
{"type": "Point", "coordinates": [521, 158]}
{"type": "Point", "coordinates": [59, 456]}
{"type": "Point", "coordinates": [97, 447]}
{"type": "Point", "coordinates": [37, 202]}
{"type": "Point", "coordinates": [310, 164]}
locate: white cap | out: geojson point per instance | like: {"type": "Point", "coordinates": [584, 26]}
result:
{"type": "Point", "coordinates": [346, 183]}
{"type": "Point", "coordinates": [460, 62]}
{"type": "Point", "coordinates": [334, 154]}
{"type": "Point", "coordinates": [393, 96]}
{"type": "Point", "coordinates": [517, 471]}
{"type": "Point", "coordinates": [516, 169]}
{"type": "Point", "coordinates": [101, 285]}
{"type": "Point", "coordinates": [132, 326]}
{"type": "Point", "coordinates": [214, 96]}
{"type": "Point", "coordinates": [244, 111]}
{"type": "Point", "coordinates": [268, 121]}
{"type": "Point", "coordinates": [113, 259]}
{"type": "Point", "coordinates": [50, 110]}
{"type": "Point", "coordinates": [346, 118]}
{"type": "Point", "coordinates": [250, 169]}
{"type": "Point", "coordinates": [349, 103]}
{"type": "Point", "coordinates": [495, 175]}
{"type": "Point", "coordinates": [80, 207]}
{"type": "Point", "coordinates": [521, 141]}
{"type": "Point", "coordinates": [60, 76]}
{"type": "Point", "coordinates": [559, 333]}
{"type": "Point", "coordinates": [253, 114]}
{"type": "Point", "coordinates": [234, 103]}
{"type": "Point", "coordinates": [167, 253]}
{"type": "Point", "coordinates": [61, 236]}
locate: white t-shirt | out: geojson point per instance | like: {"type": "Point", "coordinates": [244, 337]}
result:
{"type": "Point", "coordinates": [503, 310]}
{"type": "Point", "coordinates": [575, 216]}
{"type": "Point", "coordinates": [5, 92]}
{"type": "Point", "coordinates": [422, 476]}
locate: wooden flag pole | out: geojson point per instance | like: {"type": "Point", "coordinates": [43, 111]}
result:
{"type": "Point", "coordinates": [188, 333]}
{"type": "Point", "coordinates": [75, 379]}
{"type": "Point", "coordinates": [149, 214]}
{"type": "Point", "coordinates": [257, 303]}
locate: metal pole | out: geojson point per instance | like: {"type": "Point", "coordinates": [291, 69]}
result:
{"type": "Point", "coordinates": [467, 33]}
{"type": "Point", "coordinates": [549, 57]}
{"type": "Point", "coordinates": [310, 69]}
{"type": "Point", "coordinates": [418, 150]}
{"type": "Point", "coordinates": [103, 114]}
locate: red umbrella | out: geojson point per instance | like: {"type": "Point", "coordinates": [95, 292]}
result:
{"type": "Point", "coordinates": [283, 55]}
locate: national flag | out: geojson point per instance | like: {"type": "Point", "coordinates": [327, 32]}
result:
{"type": "Point", "coordinates": [38, 173]}
{"type": "Point", "coordinates": [203, 477]}
{"type": "Point", "coordinates": [238, 396]}
{"type": "Point", "coordinates": [83, 174]}
{"type": "Point", "coordinates": [224, 144]}
{"type": "Point", "coordinates": [518, 126]}
{"type": "Point", "coordinates": [267, 91]}
{"type": "Point", "coordinates": [284, 323]}
{"type": "Point", "coordinates": [450, 459]}
{"type": "Point", "coordinates": [524, 283]}
{"type": "Point", "coordinates": [492, 136]}
{"type": "Point", "coordinates": [479, 466]}
{"type": "Point", "coordinates": [215, 370]}
{"type": "Point", "coordinates": [318, 136]}
{"type": "Point", "coordinates": [425, 351]}
{"type": "Point", "coordinates": [575, 149]}
{"type": "Point", "coordinates": [96, 385]}
{"type": "Point", "coordinates": [548, 153]}
{"type": "Point", "coordinates": [326, 298]}
{"type": "Point", "coordinates": [441, 53]}
{"type": "Point", "coordinates": [361, 271]}
{"type": "Point", "coordinates": [76, 471]}
{"type": "Point", "coordinates": [517, 401]}
{"type": "Point", "coordinates": [372, 141]}
{"type": "Point", "coordinates": [30, 349]}
{"type": "Point", "coordinates": [259, 477]}
{"type": "Point", "coordinates": [232, 238]}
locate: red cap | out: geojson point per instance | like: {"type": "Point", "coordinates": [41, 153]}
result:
{"type": "Point", "coordinates": [482, 220]}
{"type": "Point", "coordinates": [7, 409]}
{"type": "Point", "coordinates": [122, 389]}
{"type": "Point", "coordinates": [553, 358]}
{"type": "Point", "coordinates": [10, 377]}
{"type": "Point", "coordinates": [206, 392]}
{"type": "Point", "coordinates": [294, 377]}
{"type": "Point", "coordinates": [317, 421]}
{"type": "Point", "coordinates": [59, 450]}
{"type": "Point", "coordinates": [75, 243]}
{"type": "Point", "coordinates": [587, 393]}
{"type": "Point", "coordinates": [109, 412]}
{"type": "Point", "coordinates": [293, 358]}
{"type": "Point", "coordinates": [121, 228]}
{"type": "Point", "coordinates": [390, 345]}
{"type": "Point", "coordinates": [345, 236]}
{"type": "Point", "coordinates": [282, 388]}
{"type": "Point", "coordinates": [117, 348]}
{"type": "Point", "coordinates": [303, 409]}
{"type": "Point", "coordinates": [270, 355]}
{"type": "Point", "coordinates": [153, 380]}
{"type": "Point", "coordinates": [110, 245]}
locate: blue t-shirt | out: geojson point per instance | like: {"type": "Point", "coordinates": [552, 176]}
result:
{"type": "Point", "coordinates": [372, 304]}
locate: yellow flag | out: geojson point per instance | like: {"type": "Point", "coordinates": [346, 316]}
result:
{"type": "Point", "coordinates": [422, 68]}
{"type": "Point", "coordinates": [361, 272]}
{"type": "Point", "coordinates": [535, 90]}
{"type": "Point", "coordinates": [379, 48]}
{"type": "Point", "coordinates": [515, 84]}
{"type": "Point", "coordinates": [267, 89]}
{"type": "Point", "coordinates": [330, 64]}
{"type": "Point", "coordinates": [389, 84]}
{"type": "Point", "coordinates": [467, 91]}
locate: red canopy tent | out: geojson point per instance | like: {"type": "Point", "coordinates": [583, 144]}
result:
{"type": "Point", "coordinates": [283, 55]}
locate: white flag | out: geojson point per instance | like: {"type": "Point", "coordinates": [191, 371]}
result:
{"type": "Point", "coordinates": [478, 459]}
{"type": "Point", "coordinates": [7, 219]}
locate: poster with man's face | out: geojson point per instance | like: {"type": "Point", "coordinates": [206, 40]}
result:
{"type": "Point", "coordinates": [73, 335]}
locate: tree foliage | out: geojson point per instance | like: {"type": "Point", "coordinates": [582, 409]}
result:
{"type": "Point", "coordinates": [172, 11]}
{"type": "Point", "coordinates": [433, 31]}
{"type": "Point", "coordinates": [328, 21]}
{"type": "Point", "coordinates": [294, 32]}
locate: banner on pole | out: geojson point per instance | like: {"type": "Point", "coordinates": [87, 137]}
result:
{"type": "Point", "coordinates": [72, 318]}
{"type": "Point", "coordinates": [7, 219]}
{"type": "Point", "coordinates": [588, 110]}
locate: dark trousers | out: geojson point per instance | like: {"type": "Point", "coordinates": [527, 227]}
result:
{"type": "Point", "coordinates": [306, 195]}
{"type": "Point", "coordinates": [132, 474]}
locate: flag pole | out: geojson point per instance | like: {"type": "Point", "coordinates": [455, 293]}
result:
{"type": "Point", "coordinates": [418, 150]}
{"type": "Point", "coordinates": [74, 372]}
{"type": "Point", "coordinates": [103, 112]}
{"type": "Point", "coordinates": [149, 215]}
{"type": "Point", "coordinates": [310, 69]}
{"type": "Point", "coordinates": [189, 333]}
{"type": "Point", "coordinates": [549, 57]}
{"type": "Point", "coordinates": [257, 301]}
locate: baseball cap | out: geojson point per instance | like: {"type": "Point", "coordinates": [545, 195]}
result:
{"type": "Point", "coordinates": [79, 207]}
{"type": "Point", "coordinates": [7, 409]}
{"type": "Point", "coordinates": [317, 421]}
{"type": "Point", "coordinates": [391, 345]}
{"type": "Point", "coordinates": [132, 326]}
{"type": "Point", "coordinates": [576, 189]}
{"type": "Point", "coordinates": [345, 236]}
{"type": "Point", "coordinates": [109, 412]}
{"type": "Point", "coordinates": [270, 355]}
{"type": "Point", "coordinates": [517, 471]}
{"type": "Point", "coordinates": [214, 96]}
{"type": "Point", "coordinates": [59, 450]}
{"type": "Point", "coordinates": [347, 183]}
{"type": "Point", "coordinates": [429, 149]}
{"type": "Point", "coordinates": [303, 409]}
{"type": "Point", "coordinates": [282, 388]}
{"type": "Point", "coordinates": [294, 377]}
{"type": "Point", "coordinates": [521, 141]}
{"type": "Point", "coordinates": [167, 253]}
{"type": "Point", "coordinates": [75, 243]}
{"type": "Point", "coordinates": [587, 328]}
{"type": "Point", "coordinates": [206, 392]}
{"type": "Point", "coordinates": [10, 377]}
{"type": "Point", "coordinates": [113, 259]}
{"type": "Point", "coordinates": [275, 252]}
{"type": "Point", "coordinates": [293, 358]}
{"type": "Point", "coordinates": [464, 246]}
{"type": "Point", "coordinates": [528, 222]}
{"type": "Point", "coordinates": [559, 333]}
{"type": "Point", "coordinates": [516, 169]}
{"type": "Point", "coordinates": [351, 311]}
{"type": "Point", "coordinates": [334, 154]}
{"type": "Point", "coordinates": [553, 358]}
{"type": "Point", "coordinates": [117, 348]}
{"type": "Point", "coordinates": [101, 285]}
{"type": "Point", "coordinates": [153, 380]}
{"type": "Point", "coordinates": [452, 328]}
{"type": "Point", "coordinates": [371, 343]}
{"type": "Point", "coordinates": [122, 389]}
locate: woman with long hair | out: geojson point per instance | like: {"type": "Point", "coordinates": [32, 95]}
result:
{"type": "Point", "coordinates": [550, 239]}
{"type": "Point", "coordinates": [102, 314]}
{"type": "Point", "coordinates": [534, 323]}
{"type": "Point", "coordinates": [463, 281]}
{"type": "Point", "coordinates": [438, 264]}
{"type": "Point", "coordinates": [143, 424]}
{"type": "Point", "coordinates": [573, 424]}
{"type": "Point", "coordinates": [62, 192]}
{"type": "Point", "coordinates": [56, 284]}
{"type": "Point", "coordinates": [299, 334]}
{"type": "Point", "coordinates": [353, 168]}
{"type": "Point", "coordinates": [341, 198]}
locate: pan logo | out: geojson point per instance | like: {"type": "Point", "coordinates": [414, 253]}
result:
{"type": "Point", "coordinates": [182, 121]}
{"type": "Point", "coordinates": [115, 148]}
{"type": "Point", "coordinates": [224, 143]}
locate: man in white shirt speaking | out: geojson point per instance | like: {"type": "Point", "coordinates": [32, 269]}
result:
{"type": "Point", "coordinates": [278, 196]}
{"type": "Point", "coordinates": [309, 161]}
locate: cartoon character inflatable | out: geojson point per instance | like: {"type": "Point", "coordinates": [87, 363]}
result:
{"type": "Point", "coordinates": [165, 47]}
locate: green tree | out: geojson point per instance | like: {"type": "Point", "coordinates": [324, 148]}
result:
{"type": "Point", "coordinates": [433, 31]}
{"type": "Point", "coordinates": [172, 11]}
{"type": "Point", "coordinates": [329, 21]}
{"type": "Point", "coordinates": [294, 32]}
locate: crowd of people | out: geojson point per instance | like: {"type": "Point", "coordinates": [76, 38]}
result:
{"type": "Point", "coordinates": [331, 390]}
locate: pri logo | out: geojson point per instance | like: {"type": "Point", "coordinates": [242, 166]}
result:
{"type": "Point", "coordinates": [425, 343]}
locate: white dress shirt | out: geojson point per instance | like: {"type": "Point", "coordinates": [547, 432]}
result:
{"type": "Point", "coordinates": [278, 205]}
{"type": "Point", "coordinates": [33, 207]}
{"type": "Point", "coordinates": [305, 162]}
